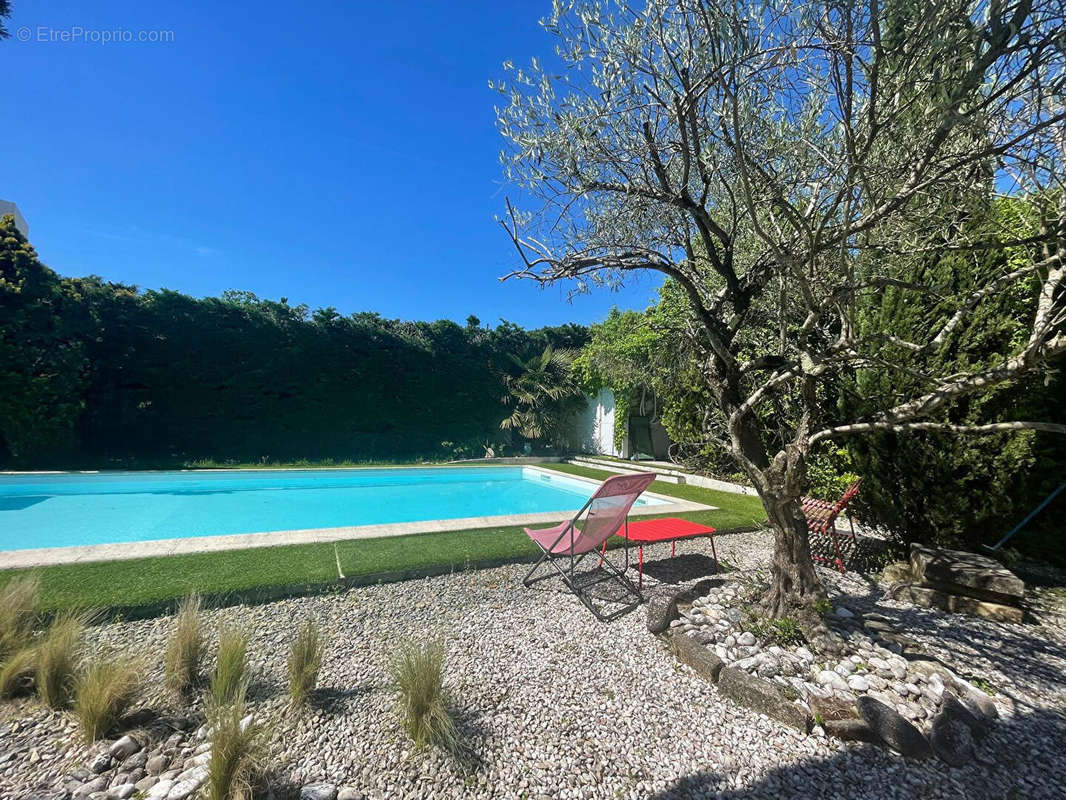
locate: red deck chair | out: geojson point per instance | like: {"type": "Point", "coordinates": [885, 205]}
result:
{"type": "Point", "coordinates": [821, 524]}
{"type": "Point", "coordinates": [565, 545]}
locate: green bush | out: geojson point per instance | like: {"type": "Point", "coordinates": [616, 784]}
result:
{"type": "Point", "coordinates": [103, 693]}
{"type": "Point", "coordinates": [830, 473]}
{"type": "Point", "coordinates": [18, 604]}
{"type": "Point", "coordinates": [417, 676]}
{"type": "Point", "coordinates": [57, 659]}
{"type": "Point", "coordinates": [230, 677]}
{"type": "Point", "coordinates": [238, 751]}
{"type": "Point", "coordinates": [97, 373]}
{"type": "Point", "coordinates": [305, 661]}
{"type": "Point", "coordinates": [17, 671]}
{"type": "Point", "coordinates": [182, 658]}
{"type": "Point", "coordinates": [962, 490]}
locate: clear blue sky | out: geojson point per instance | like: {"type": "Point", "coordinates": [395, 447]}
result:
{"type": "Point", "coordinates": [335, 156]}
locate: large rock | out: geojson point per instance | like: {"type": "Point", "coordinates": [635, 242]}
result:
{"type": "Point", "coordinates": [952, 739]}
{"type": "Point", "coordinates": [146, 783]}
{"type": "Point", "coordinates": [831, 680]}
{"type": "Point", "coordinates": [95, 785]}
{"type": "Point", "coordinates": [663, 601]}
{"type": "Point", "coordinates": [928, 597]}
{"type": "Point", "coordinates": [136, 761]}
{"type": "Point", "coordinates": [832, 708]}
{"type": "Point", "coordinates": [762, 696]}
{"type": "Point", "coordinates": [662, 610]}
{"type": "Point", "coordinates": [893, 729]}
{"type": "Point", "coordinates": [851, 730]}
{"type": "Point", "coordinates": [318, 791]}
{"type": "Point", "coordinates": [966, 573]}
{"type": "Point", "coordinates": [184, 789]}
{"type": "Point", "coordinates": [160, 790]}
{"type": "Point", "coordinates": [979, 703]}
{"type": "Point", "coordinates": [978, 724]}
{"type": "Point", "coordinates": [698, 656]}
{"type": "Point", "coordinates": [124, 748]}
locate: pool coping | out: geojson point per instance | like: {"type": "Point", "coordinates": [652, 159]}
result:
{"type": "Point", "coordinates": [123, 551]}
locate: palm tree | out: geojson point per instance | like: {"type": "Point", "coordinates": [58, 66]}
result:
{"type": "Point", "coordinates": [542, 394]}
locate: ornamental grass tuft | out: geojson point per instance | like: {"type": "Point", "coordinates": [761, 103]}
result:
{"type": "Point", "coordinates": [305, 661]}
{"type": "Point", "coordinates": [238, 751]}
{"type": "Point", "coordinates": [17, 671]}
{"type": "Point", "coordinates": [18, 606]}
{"type": "Point", "coordinates": [417, 676]}
{"type": "Point", "coordinates": [230, 677]}
{"type": "Point", "coordinates": [104, 692]}
{"type": "Point", "coordinates": [57, 659]}
{"type": "Point", "coordinates": [184, 647]}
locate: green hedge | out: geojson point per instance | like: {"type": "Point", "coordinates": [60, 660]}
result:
{"type": "Point", "coordinates": [97, 373]}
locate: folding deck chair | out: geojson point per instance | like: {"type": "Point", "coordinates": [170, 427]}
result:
{"type": "Point", "coordinates": [565, 545]}
{"type": "Point", "coordinates": [821, 524]}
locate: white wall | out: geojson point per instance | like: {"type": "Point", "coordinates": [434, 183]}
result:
{"type": "Point", "coordinates": [596, 425]}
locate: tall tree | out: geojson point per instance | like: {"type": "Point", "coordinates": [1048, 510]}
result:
{"type": "Point", "coordinates": [5, 13]}
{"type": "Point", "coordinates": [541, 394]}
{"type": "Point", "coordinates": [779, 160]}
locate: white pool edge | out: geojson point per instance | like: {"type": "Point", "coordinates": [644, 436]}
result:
{"type": "Point", "coordinates": [123, 551]}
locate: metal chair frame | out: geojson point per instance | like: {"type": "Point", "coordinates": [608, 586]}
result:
{"type": "Point", "coordinates": [569, 572]}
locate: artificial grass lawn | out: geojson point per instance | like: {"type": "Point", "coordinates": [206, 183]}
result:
{"type": "Point", "coordinates": [151, 582]}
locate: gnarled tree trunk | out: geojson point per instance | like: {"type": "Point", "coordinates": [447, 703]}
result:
{"type": "Point", "coordinates": [795, 587]}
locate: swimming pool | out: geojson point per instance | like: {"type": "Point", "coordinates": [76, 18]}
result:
{"type": "Point", "coordinates": [69, 510]}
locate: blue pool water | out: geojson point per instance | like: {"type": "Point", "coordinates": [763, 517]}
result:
{"type": "Point", "coordinates": [64, 510]}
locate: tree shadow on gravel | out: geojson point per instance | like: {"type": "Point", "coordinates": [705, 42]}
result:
{"type": "Point", "coordinates": [1021, 758]}
{"type": "Point", "coordinates": [1023, 653]}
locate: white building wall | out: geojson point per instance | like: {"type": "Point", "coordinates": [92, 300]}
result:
{"type": "Point", "coordinates": [596, 425]}
{"type": "Point", "coordinates": [7, 207]}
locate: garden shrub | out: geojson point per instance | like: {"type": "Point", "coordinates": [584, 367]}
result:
{"type": "Point", "coordinates": [305, 661]}
{"type": "Point", "coordinates": [181, 663]}
{"type": "Point", "coordinates": [230, 677]}
{"type": "Point", "coordinates": [964, 490]}
{"type": "Point", "coordinates": [57, 659]}
{"type": "Point", "coordinates": [103, 693]}
{"type": "Point", "coordinates": [417, 675]}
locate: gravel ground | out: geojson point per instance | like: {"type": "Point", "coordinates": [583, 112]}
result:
{"type": "Point", "coordinates": [554, 704]}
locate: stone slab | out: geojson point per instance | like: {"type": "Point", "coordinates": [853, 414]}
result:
{"type": "Point", "coordinates": [933, 598]}
{"type": "Point", "coordinates": [966, 572]}
{"type": "Point", "coordinates": [702, 659]}
{"type": "Point", "coordinates": [893, 729]}
{"type": "Point", "coordinates": [763, 696]}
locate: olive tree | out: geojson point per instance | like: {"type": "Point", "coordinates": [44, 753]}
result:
{"type": "Point", "coordinates": [780, 160]}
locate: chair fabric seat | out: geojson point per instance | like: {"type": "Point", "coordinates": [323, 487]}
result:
{"type": "Point", "coordinates": [546, 538]}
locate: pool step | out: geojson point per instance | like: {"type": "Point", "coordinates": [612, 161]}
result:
{"type": "Point", "coordinates": [666, 472]}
